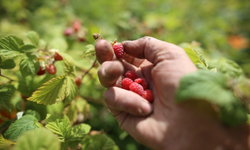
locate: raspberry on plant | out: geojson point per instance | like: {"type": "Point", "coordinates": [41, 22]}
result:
{"type": "Point", "coordinates": [119, 50]}
{"type": "Point", "coordinates": [143, 82]}
{"type": "Point", "coordinates": [41, 71]}
{"type": "Point", "coordinates": [126, 83]}
{"type": "Point", "coordinates": [135, 87]}
{"type": "Point", "coordinates": [58, 57]}
{"type": "Point", "coordinates": [68, 31]}
{"type": "Point", "coordinates": [51, 69]}
{"type": "Point", "coordinates": [131, 74]}
{"type": "Point", "coordinates": [147, 94]}
{"type": "Point", "coordinates": [78, 81]}
{"type": "Point", "coordinates": [77, 25]}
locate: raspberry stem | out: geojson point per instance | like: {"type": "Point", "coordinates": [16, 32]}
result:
{"type": "Point", "coordinates": [10, 80]}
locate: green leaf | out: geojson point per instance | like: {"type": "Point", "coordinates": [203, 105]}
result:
{"type": "Point", "coordinates": [4, 143]}
{"type": "Point", "coordinates": [212, 87]}
{"type": "Point", "coordinates": [25, 85]}
{"type": "Point", "coordinates": [33, 37]}
{"type": "Point", "coordinates": [51, 92]}
{"type": "Point", "coordinates": [7, 64]}
{"type": "Point", "coordinates": [89, 51]}
{"type": "Point", "coordinates": [69, 64]}
{"type": "Point", "coordinates": [38, 139]}
{"type": "Point", "coordinates": [33, 113]}
{"type": "Point", "coordinates": [11, 43]}
{"type": "Point", "coordinates": [16, 129]}
{"type": "Point", "coordinates": [233, 114]}
{"type": "Point", "coordinates": [56, 108]}
{"type": "Point", "coordinates": [8, 53]}
{"type": "Point", "coordinates": [78, 105]}
{"type": "Point", "coordinates": [205, 85]}
{"type": "Point", "coordinates": [28, 48]}
{"type": "Point", "coordinates": [6, 92]}
{"type": "Point", "coordinates": [71, 112]}
{"type": "Point", "coordinates": [101, 142]}
{"type": "Point", "coordinates": [78, 133]}
{"type": "Point", "coordinates": [196, 57]}
{"type": "Point", "coordinates": [227, 67]}
{"type": "Point", "coordinates": [71, 90]}
{"type": "Point", "coordinates": [59, 124]}
{"type": "Point", "coordinates": [29, 66]}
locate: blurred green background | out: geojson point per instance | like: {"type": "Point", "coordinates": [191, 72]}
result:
{"type": "Point", "coordinates": [219, 28]}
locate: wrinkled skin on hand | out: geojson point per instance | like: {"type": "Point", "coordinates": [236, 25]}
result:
{"type": "Point", "coordinates": [163, 124]}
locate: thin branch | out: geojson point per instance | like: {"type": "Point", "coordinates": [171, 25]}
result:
{"type": "Point", "coordinates": [10, 80]}
{"type": "Point", "coordinates": [93, 65]}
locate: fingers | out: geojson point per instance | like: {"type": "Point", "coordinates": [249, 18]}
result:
{"type": "Point", "coordinates": [110, 72]}
{"type": "Point", "coordinates": [104, 51]}
{"type": "Point", "coordinates": [152, 49]}
{"type": "Point", "coordinates": [127, 101]}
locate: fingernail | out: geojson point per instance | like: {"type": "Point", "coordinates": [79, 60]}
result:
{"type": "Point", "coordinates": [145, 108]}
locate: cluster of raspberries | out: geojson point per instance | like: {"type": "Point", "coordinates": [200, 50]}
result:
{"type": "Point", "coordinates": [131, 81]}
{"type": "Point", "coordinates": [138, 85]}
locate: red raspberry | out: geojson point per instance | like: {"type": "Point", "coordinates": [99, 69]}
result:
{"type": "Point", "coordinates": [78, 81]}
{"type": "Point", "coordinates": [147, 94]}
{"type": "Point", "coordinates": [135, 87]}
{"type": "Point", "coordinates": [118, 49]}
{"type": "Point", "coordinates": [126, 83]}
{"type": "Point", "coordinates": [68, 31]}
{"type": "Point", "coordinates": [143, 82]}
{"type": "Point", "coordinates": [77, 25]}
{"type": "Point", "coordinates": [41, 71]}
{"type": "Point", "coordinates": [58, 57]}
{"type": "Point", "coordinates": [131, 74]}
{"type": "Point", "coordinates": [51, 69]}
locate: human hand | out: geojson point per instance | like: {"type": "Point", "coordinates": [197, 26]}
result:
{"type": "Point", "coordinates": [162, 124]}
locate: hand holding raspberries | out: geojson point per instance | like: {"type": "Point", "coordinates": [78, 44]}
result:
{"type": "Point", "coordinates": [158, 122]}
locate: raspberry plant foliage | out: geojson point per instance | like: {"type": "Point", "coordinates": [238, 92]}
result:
{"type": "Point", "coordinates": [57, 94]}
{"type": "Point", "coordinates": [222, 84]}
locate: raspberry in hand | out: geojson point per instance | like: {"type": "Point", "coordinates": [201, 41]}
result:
{"type": "Point", "coordinates": [119, 50]}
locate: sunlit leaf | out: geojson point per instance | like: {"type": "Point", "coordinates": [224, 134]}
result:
{"type": "Point", "coordinates": [79, 131]}
{"type": "Point", "coordinates": [78, 105]}
{"type": "Point", "coordinates": [6, 93]}
{"type": "Point", "coordinates": [7, 64]}
{"type": "Point", "coordinates": [69, 64]}
{"type": "Point", "coordinates": [101, 142]}
{"type": "Point", "coordinates": [33, 37]}
{"type": "Point", "coordinates": [59, 124]}
{"type": "Point", "coordinates": [196, 57]}
{"type": "Point", "coordinates": [33, 113]}
{"type": "Point", "coordinates": [51, 92]}
{"type": "Point", "coordinates": [227, 67]}
{"type": "Point", "coordinates": [38, 139]}
{"type": "Point", "coordinates": [16, 129]}
{"type": "Point", "coordinates": [11, 43]}
{"type": "Point", "coordinates": [4, 143]}
{"type": "Point", "coordinates": [212, 87]}
{"type": "Point", "coordinates": [89, 50]}
{"type": "Point", "coordinates": [29, 66]}
{"type": "Point", "coordinates": [56, 108]}
{"type": "Point", "coordinates": [8, 53]}
{"type": "Point", "coordinates": [28, 48]}
{"type": "Point", "coordinates": [71, 90]}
